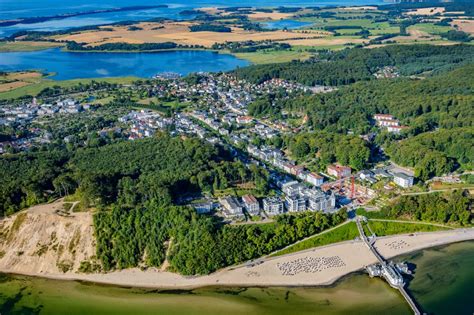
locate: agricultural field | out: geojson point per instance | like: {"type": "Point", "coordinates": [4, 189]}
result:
{"type": "Point", "coordinates": [27, 46]}
{"type": "Point", "coordinates": [14, 80]}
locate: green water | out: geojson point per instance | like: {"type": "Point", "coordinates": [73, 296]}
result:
{"type": "Point", "coordinates": [443, 284]}
{"type": "Point", "coordinates": [444, 279]}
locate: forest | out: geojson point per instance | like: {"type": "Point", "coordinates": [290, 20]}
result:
{"type": "Point", "coordinates": [326, 148]}
{"type": "Point", "coordinates": [352, 65]}
{"type": "Point", "coordinates": [435, 153]}
{"type": "Point", "coordinates": [127, 173]}
{"type": "Point", "coordinates": [449, 207]}
{"type": "Point", "coordinates": [198, 244]}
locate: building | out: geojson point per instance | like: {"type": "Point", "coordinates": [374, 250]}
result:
{"type": "Point", "coordinates": [296, 169]}
{"type": "Point", "coordinates": [383, 117]}
{"type": "Point", "coordinates": [315, 179]}
{"type": "Point", "coordinates": [251, 204]}
{"type": "Point", "coordinates": [403, 180]}
{"type": "Point", "coordinates": [232, 206]}
{"type": "Point", "coordinates": [320, 201]}
{"type": "Point", "coordinates": [387, 122]}
{"type": "Point", "coordinates": [203, 207]}
{"type": "Point", "coordinates": [395, 129]}
{"type": "Point", "coordinates": [292, 188]}
{"type": "Point", "coordinates": [244, 119]}
{"type": "Point", "coordinates": [392, 275]}
{"type": "Point", "coordinates": [273, 206]}
{"type": "Point", "coordinates": [295, 203]}
{"type": "Point", "coordinates": [339, 171]}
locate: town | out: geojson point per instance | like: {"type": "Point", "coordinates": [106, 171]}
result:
{"type": "Point", "coordinates": [217, 112]}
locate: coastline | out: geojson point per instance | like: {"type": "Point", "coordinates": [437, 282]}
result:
{"type": "Point", "coordinates": [353, 254]}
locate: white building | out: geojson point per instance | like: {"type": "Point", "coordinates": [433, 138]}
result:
{"type": "Point", "coordinates": [232, 206]}
{"type": "Point", "coordinates": [273, 206]}
{"type": "Point", "coordinates": [295, 203]}
{"type": "Point", "coordinates": [403, 180]}
{"type": "Point", "coordinates": [320, 201]}
{"type": "Point", "coordinates": [315, 179]}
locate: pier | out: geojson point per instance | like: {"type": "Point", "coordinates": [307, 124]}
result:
{"type": "Point", "coordinates": [388, 271]}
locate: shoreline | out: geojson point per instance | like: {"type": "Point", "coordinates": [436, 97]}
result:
{"type": "Point", "coordinates": [353, 254]}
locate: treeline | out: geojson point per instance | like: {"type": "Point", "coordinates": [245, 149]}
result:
{"type": "Point", "coordinates": [56, 90]}
{"type": "Point", "coordinates": [210, 28]}
{"type": "Point", "coordinates": [199, 244]}
{"type": "Point", "coordinates": [125, 173]}
{"type": "Point", "coordinates": [352, 65]}
{"type": "Point", "coordinates": [435, 153]}
{"type": "Point", "coordinates": [450, 207]}
{"type": "Point", "coordinates": [73, 46]}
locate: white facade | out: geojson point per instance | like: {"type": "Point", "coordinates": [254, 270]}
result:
{"type": "Point", "coordinates": [403, 180]}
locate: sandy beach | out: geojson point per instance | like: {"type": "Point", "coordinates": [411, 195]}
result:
{"type": "Point", "coordinates": [314, 267]}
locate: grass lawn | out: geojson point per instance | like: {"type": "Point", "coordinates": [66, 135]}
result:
{"type": "Point", "coordinates": [344, 233]}
{"type": "Point", "coordinates": [274, 56]}
{"type": "Point", "coordinates": [37, 87]}
{"type": "Point", "coordinates": [389, 228]}
{"type": "Point", "coordinates": [27, 46]}
{"type": "Point", "coordinates": [430, 28]}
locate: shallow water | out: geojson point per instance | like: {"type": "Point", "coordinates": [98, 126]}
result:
{"type": "Point", "coordinates": [357, 294]}
{"type": "Point", "coordinates": [443, 284]}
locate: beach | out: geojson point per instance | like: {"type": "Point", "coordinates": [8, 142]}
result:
{"type": "Point", "coordinates": [314, 267]}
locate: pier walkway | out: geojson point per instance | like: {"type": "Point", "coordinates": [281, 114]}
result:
{"type": "Point", "coordinates": [385, 266]}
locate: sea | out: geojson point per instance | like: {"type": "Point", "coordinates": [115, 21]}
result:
{"type": "Point", "coordinates": [443, 284]}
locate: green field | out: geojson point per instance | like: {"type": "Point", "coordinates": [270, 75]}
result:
{"type": "Point", "coordinates": [274, 56]}
{"type": "Point", "coordinates": [430, 28]}
{"type": "Point", "coordinates": [34, 89]}
{"type": "Point", "coordinates": [27, 46]}
{"type": "Point", "coordinates": [343, 233]}
{"type": "Point", "coordinates": [382, 228]}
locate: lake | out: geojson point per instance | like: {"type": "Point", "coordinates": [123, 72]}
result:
{"type": "Point", "coordinates": [77, 65]}
{"type": "Point", "coordinates": [285, 24]}
{"type": "Point", "coordinates": [443, 284]}
{"type": "Point", "coordinates": [10, 9]}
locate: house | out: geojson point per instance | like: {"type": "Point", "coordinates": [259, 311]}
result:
{"type": "Point", "coordinates": [315, 179]}
{"type": "Point", "coordinates": [339, 171]}
{"type": "Point", "coordinates": [244, 119]}
{"type": "Point", "coordinates": [295, 203]}
{"type": "Point", "coordinates": [403, 180]}
{"type": "Point", "coordinates": [296, 169]}
{"type": "Point", "coordinates": [273, 206]}
{"type": "Point", "coordinates": [251, 204]}
{"type": "Point", "coordinates": [232, 206]}
{"type": "Point", "coordinates": [395, 129]}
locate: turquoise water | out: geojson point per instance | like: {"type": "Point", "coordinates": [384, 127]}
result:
{"type": "Point", "coordinates": [76, 65]}
{"type": "Point", "coordinates": [285, 24]}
